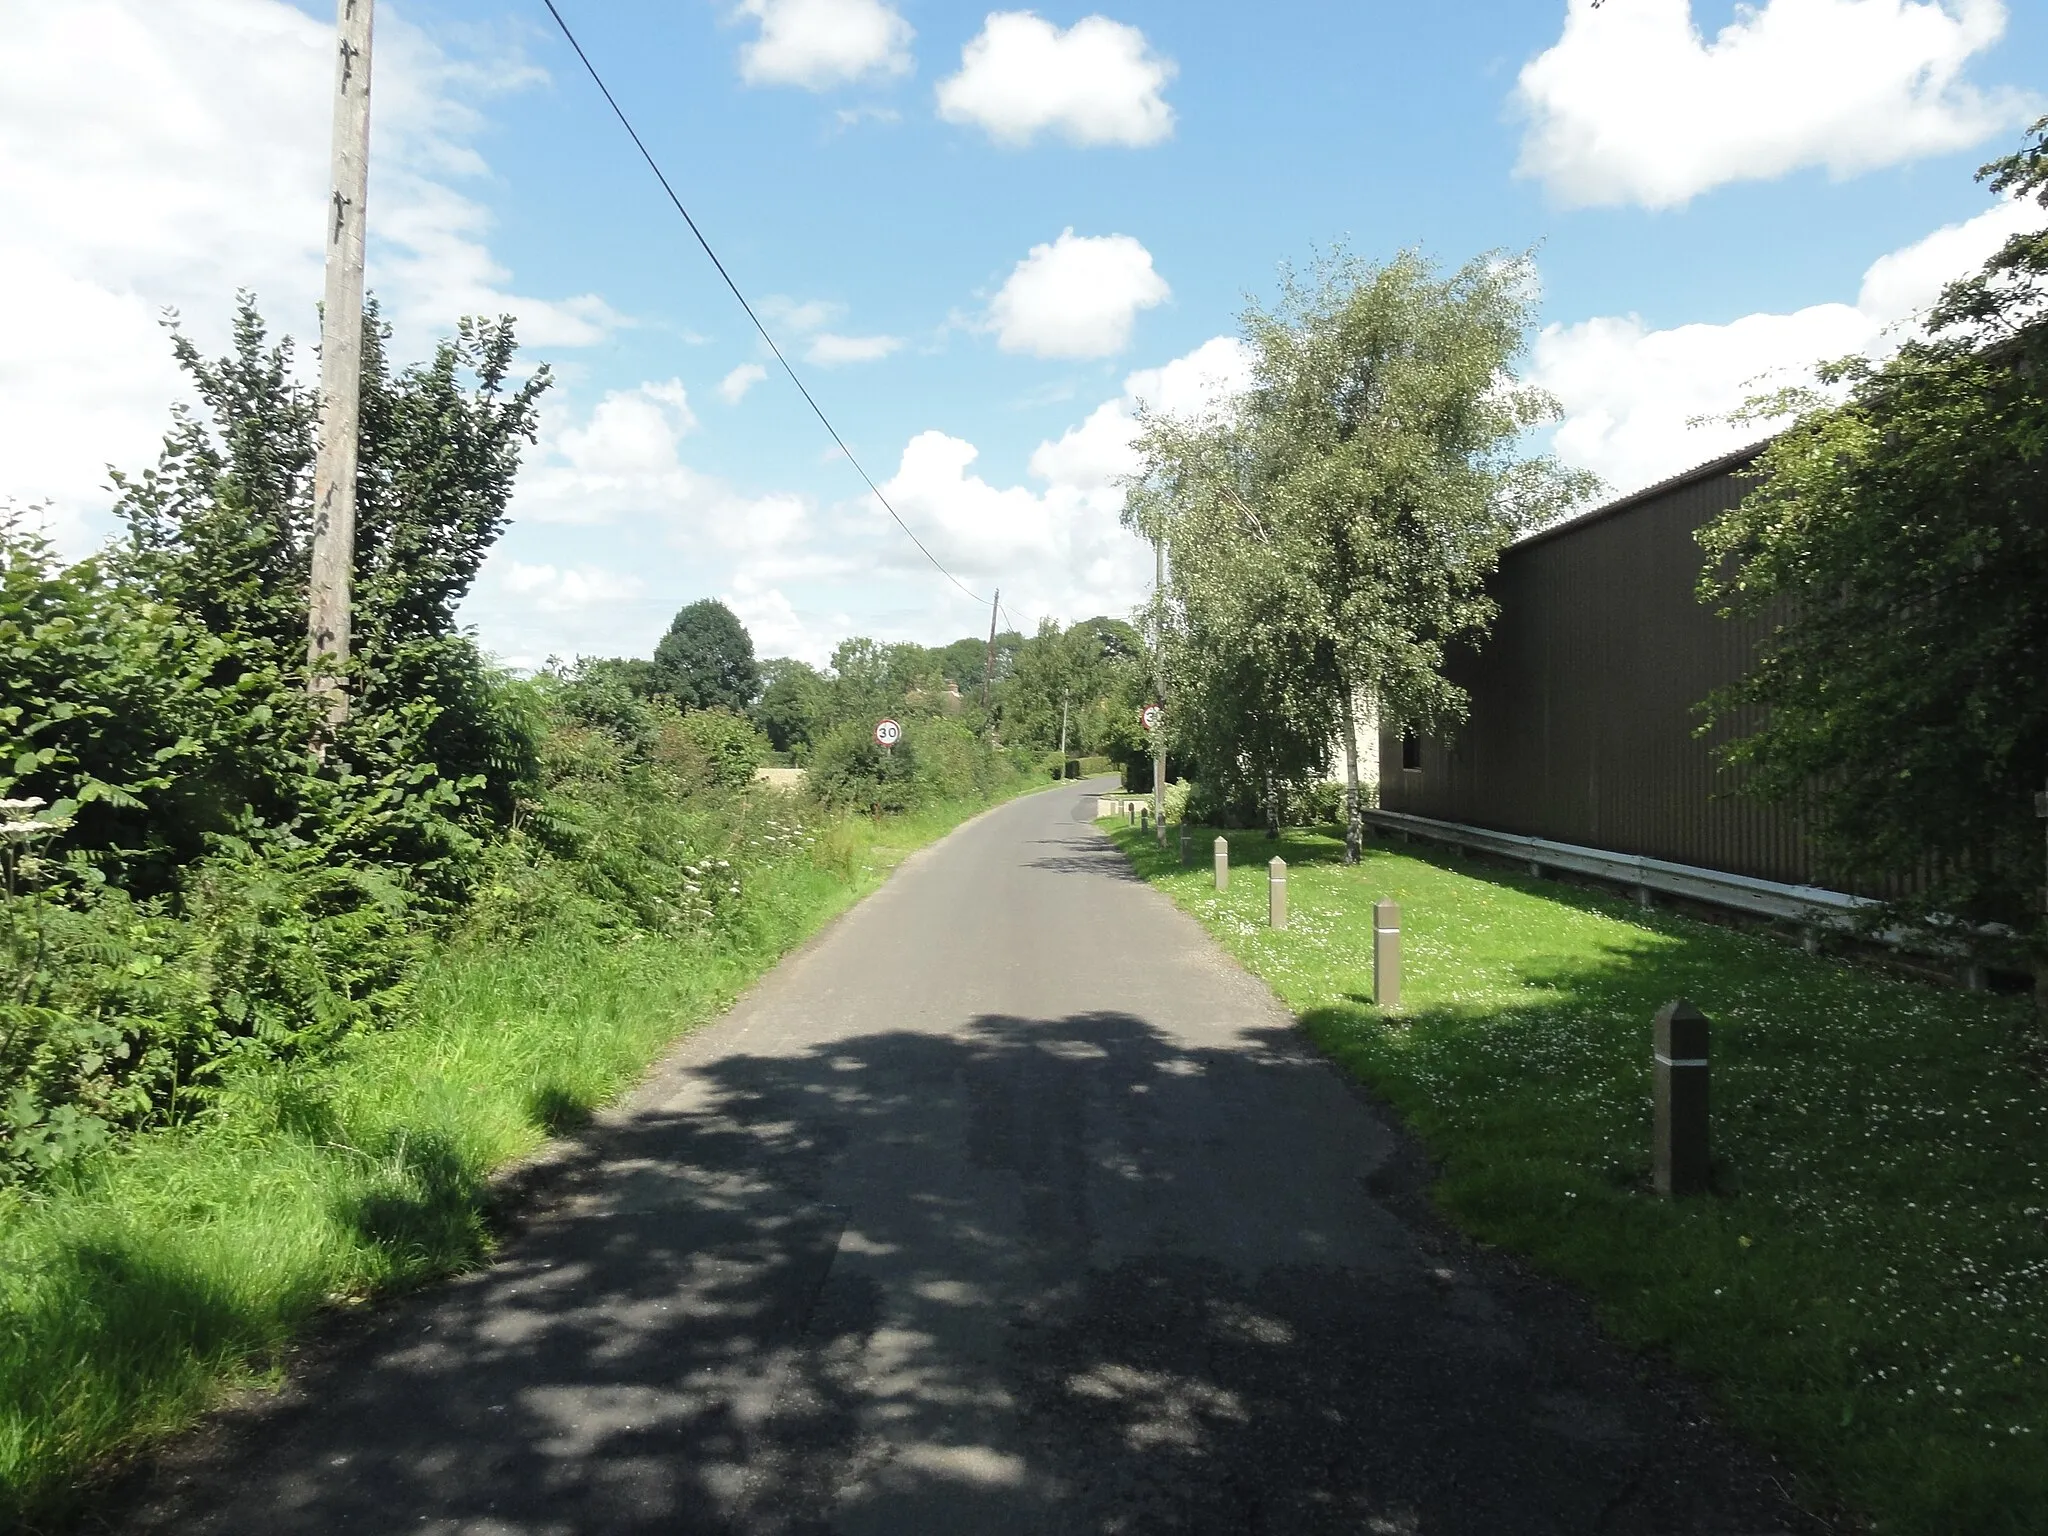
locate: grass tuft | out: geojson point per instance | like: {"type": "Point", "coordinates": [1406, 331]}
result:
{"type": "Point", "coordinates": [1867, 1288]}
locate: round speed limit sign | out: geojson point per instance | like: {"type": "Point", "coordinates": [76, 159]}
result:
{"type": "Point", "coordinates": [1152, 716]}
{"type": "Point", "coordinates": [888, 732]}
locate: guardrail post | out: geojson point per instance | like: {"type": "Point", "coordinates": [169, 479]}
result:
{"type": "Point", "coordinates": [1222, 863]}
{"type": "Point", "coordinates": [1679, 1154]}
{"type": "Point", "coordinates": [1276, 893]}
{"type": "Point", "coordinates": [1386, 954]}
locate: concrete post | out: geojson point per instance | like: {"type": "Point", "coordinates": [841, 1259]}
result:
{"type": "Point", "coordinates": [1222, 863]}
{"type": "Point", "coordinates": [1386, 954]}
{"type": "Point", "coordinates": [1145, 818]}
{"type": "Point", "coordinates": [1679, 1151]}
{"type": "Point", "coordinates": [1276, 893]}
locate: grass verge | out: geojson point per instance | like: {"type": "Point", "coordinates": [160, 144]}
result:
{"type": "Point", "coordinates": [137, 1291]}
{"type": "Point", "coordinates": [1867, 1290]}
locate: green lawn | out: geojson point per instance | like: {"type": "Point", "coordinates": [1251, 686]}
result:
{"type": "Point", "coordinates": [1867, 1291]}
{"type": "Point", "coordinates": [179, 1266]}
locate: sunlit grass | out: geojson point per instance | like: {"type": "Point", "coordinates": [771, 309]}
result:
{"type": "Point", "coordinates": [1867, 1291]}
{"type": "Point", "coordinates": [159, 1276]}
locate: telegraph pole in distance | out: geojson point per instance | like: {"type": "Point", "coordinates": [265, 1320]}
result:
{"type": "Point", "coordinates": [1159, 685]}
{"type": "Point", "coordinates": [341, 365]}
{"type": "Point", "coordinates": [988, 670]}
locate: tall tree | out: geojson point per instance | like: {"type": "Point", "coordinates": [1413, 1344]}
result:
{"type": "Point", "coordinates": [706, 660]}
{"type": "Point", "coordinates": [792, 706]}
{"type": "Point", "coordinates": [1899, 537]}
{"type": "Point", "coordinates": [1367, 481]}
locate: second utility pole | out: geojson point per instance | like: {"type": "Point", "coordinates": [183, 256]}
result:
{"type": "Point", "coordinates": [988, 670]}
{"type": "Point", "coordinates": [341, 367]}
{"type": "Point", "coordinates": [1159, 686]}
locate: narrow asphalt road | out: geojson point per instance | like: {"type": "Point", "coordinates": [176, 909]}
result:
{"type": "Point", "coordinates": [1011, 1205]}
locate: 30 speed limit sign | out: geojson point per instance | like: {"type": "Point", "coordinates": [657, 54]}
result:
{"type": "Point", "coordinates": [888, 732]}
{"type": "Point", "coordinates": [1152, 716]}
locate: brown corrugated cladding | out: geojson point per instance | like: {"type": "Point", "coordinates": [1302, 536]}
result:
{"type": "Point", "coordinates": [1585, 697]}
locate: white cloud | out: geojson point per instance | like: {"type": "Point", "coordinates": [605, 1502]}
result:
{"type": "Point", "coordinates": [163, 153]}
{"type": "Point", "coordinates": [1077, 297]}
{"type": "Point", "coordinates": [1056, 547]}
{"type": "Point", "coordinates": [1098, 82]}
{"type": "Point", "coordinates": [801, 315]}
{"type": "Point", "coordinates": [622, 465]}
{"type": "Point", "coordinates": [818, 44]}
{"type": "Point", "coordinates": [775, 626]}
{"type": "Point", "coordinates": [1633, 105]}
{"type": "Point", "coordinates": [618, 467]}
{"type": "Point", "coordinates": [1098, 452]}
{"type": "Point", "coordinates": [1629, 392]}
{"type": "Point", "coordinates": [632, 431]}
{"type": "Point", "coordinates": [557, 590]}
{"type": "Point", "coordinates": [829, 351]}
{"type": "Point", "coordinates": [734, 385]}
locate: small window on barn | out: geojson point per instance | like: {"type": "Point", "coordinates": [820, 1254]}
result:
{"type": "Point", "coordinates": [1411, 752]}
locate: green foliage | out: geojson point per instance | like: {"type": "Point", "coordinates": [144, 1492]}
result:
{"type": "Point", "coordinates": [792, 706]}
{"type": "Point", "coordinates": [1897, 539]}
{"type": "Point", "coordinates": [1099, 669]}
{"type": "Point", "coordinates": [223, 895]}
{"type": "Point", "coordinates": [848, 771]}
{"type": "Point", "coordinates": [938, 760]}
{"type": "Point", "coordinates": [135, 719]}
{"type": "Point", "coordinates": [1331, 534]}
{"type": "Point", "coordinates": [599, 695]}
{"type": "Point", "coordinates": [706, 660]}
{"type": "Point", "coordinates": [136, 1286]}
{"type": "Point", "coordinates": [727, 744]}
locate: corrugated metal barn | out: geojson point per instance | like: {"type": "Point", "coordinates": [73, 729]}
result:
{"type": "Point", "coordinates": [1585, 697]}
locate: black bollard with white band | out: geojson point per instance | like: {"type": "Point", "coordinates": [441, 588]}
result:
{"type": "Point", "coordinates": [1680, 1155]}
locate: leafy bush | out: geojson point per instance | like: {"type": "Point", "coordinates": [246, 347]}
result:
{"type": "Point", "coordinates": [1175, 801]}
{"type": "Point", "coordinates": [224, 892]}
{"type": "Point", "coordinates": [1321, 803]}
{"type": "Point", "coordinates": [721, 747]}
{"type": "Point", "coordinates": [848, 771]}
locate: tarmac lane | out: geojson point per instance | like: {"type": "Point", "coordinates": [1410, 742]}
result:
{"type": "Point", "coordinates": [1011, 1204]}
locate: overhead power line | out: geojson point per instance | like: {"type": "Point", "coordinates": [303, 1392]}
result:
{"type": "Point", "coordinates": [816, 410]}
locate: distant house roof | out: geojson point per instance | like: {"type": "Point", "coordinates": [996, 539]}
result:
{"type": "Point", "coordinates": [1740, 458]}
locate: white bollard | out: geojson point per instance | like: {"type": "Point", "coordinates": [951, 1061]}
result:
{"type": "Point", "coordinates": [1386, 954]}
{"type": "Point", "coordinates": [1276, 893]}
{"type": "Point", "coordinates": [1222, 864]}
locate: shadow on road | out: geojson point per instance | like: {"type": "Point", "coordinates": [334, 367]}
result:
{"type": "Point", "coordinates": [1035, 1275]}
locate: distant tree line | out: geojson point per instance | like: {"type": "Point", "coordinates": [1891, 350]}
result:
{"type": "Point", "coordinates": [1096, 672]}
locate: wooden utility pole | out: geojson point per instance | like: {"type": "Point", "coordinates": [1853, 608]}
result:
{"type": "Point", "coordinates": [1159, 685]}
{"type": "Point", "coordinates": [341, 365]}
{"type": "Point", "coordinates": [1063, 735]}
{"type": "Point", "coordinates": [988, 670]}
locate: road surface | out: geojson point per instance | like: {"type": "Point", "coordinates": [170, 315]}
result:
{"type": "Point", "coordinates": [1010, 1205]}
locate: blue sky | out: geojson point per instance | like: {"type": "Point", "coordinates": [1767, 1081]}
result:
{"type": "Point", "coordinates": [1715, 195]}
